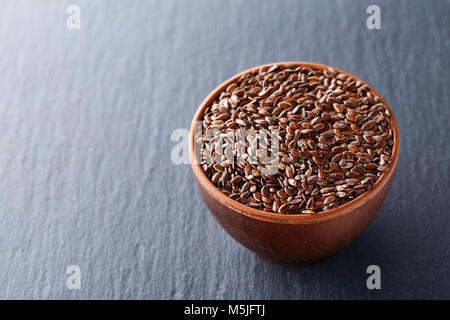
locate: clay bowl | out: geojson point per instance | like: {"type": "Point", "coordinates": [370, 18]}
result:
{"type": "Point", "coordinates": [293, 239]}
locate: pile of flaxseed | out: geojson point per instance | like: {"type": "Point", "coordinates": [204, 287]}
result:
{"type": "Point", "coordinates": [334, 139]}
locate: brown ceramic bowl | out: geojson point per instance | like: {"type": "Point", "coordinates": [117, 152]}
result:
{"type": "Point", "coordinates": [300, 238]}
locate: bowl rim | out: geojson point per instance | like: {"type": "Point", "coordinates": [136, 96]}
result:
{"type": "Point", "coordinates": [322, 216]}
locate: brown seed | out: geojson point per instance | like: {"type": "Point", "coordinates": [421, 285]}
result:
{"type": "Point", "coordinates": [306, 131]}
{"type": "Point", "coordinates": [341, 194]}
{"type": "Point", "coordinates": [265, 191]}
{"type": "Point", "coordinates": [245, 195]}
{"type": "Point", "coordinates": [289, 172]}
{"type": "Point", "coordinates": [287, 160]}
{"type": "Point", "coordinates": [317, 160]}
{"type": "Point", "coordinates": [255, 173]}
{"type": "Point", "coordinates": [329, 199]}
{"type": "Point", "coordinates": [283, 208]}
{"type": "Point", "coordinates": [328, 134]}
{"type": "Point", "coordinates": [370, 166]}
{"type": "Point", "coordinates": [311, 179]}
{"type": "Point", "coordinates": [367, 125]}
{"type": "Point", "coordinates": [321, 173]}
{"type": "Point", "coordinates": [295, 153]}
{"type": "Point", "coordinates": [338, 157]}
{"type": "Point", "coordinates": [319, 126]}
{"type": "Point", "coordinates": [385, 158]}
{"type": "Point", "coordinates": [338, 108]}
{"type": "Point", "coordinates": [275, 206]}
{"type": "Point", "coordinates": [326, 190]}
{"type": "Point", "coordinates": [337, 175]}
{"type": "Point", "coordinates": [340, 126]}
{"type": "Point", "coordinates": [363, 160]}
{"type": "Point", "coordinates": [282, 194]}
{"type": "Point", "coordinates": [356, 129]}
{"type": "Point", "coordinates": [339, 133]}
{"type": "Point", "coordinates": [351, 182]}
{"type": "Point", "coordinates": [216, 177]}
{"type": "Point", "coordinates": [236, 179]}
{"type": "Point", "coordinates": [310, 203]}
{"type": "Point", "coordinates": [305, 186]}
{"type": "Point", "coordinates": [298, 201]}
{"type": "Point", "coordinates": [312, 145]}
{"type": "Point", "coordinates": [338, 149]}
{"type": "Point", "coordinates": [352, 174]}
{"type": "Point", "coordinates": [246, 186]}
{"type": "Point", "coordinates": [316, 121]}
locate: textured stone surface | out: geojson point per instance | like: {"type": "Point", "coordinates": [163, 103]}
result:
{"type": "Point", "coordinates": [86, 119]}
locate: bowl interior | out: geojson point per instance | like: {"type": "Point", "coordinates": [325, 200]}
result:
{"type": "Point", "coordinates": [346, 208]}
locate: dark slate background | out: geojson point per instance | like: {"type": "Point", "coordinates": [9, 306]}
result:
{"type": "Point", "coordinates": [86, 118]}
